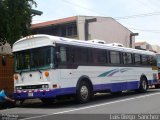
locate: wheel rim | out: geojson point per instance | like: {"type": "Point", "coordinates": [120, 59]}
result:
{"type": "Point", "coordinates": [84, 92]}
{"type": "Point", "coordinates": [144, 84]}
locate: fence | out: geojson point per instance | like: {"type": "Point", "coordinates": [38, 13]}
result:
{"type": "Point", "coordinates": [6, 73]}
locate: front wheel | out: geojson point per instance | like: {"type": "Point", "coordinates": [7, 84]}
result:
{"type": "Point", "coordinates": [143, 85]}
{"type": "Point", "coordinates": [84, 92]}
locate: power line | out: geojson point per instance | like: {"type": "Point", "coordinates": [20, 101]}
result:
{"type": "Point", "coordinates": [128, 17]}
{"type": "Point", "coordinates": [146, 30]}
{"type": "Point", "coordinates": [89, 9]}
{"type": "Point", "coordinates": [117, 18]}
{"type": "Point", "coordinates": [138, 15]}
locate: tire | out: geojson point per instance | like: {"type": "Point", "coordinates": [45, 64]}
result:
{"type": "Point", "coordinates": [143, 85]}
{"type": "Point", "coordinates": [84, 92]}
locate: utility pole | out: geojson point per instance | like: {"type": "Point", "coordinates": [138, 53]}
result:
{"type": "Point", "coordinates": [87, 21]}
{"type": "Point", "coordinates": [131, 36]}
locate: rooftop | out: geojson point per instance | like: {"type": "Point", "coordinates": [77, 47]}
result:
{"type": "Point", "coordinates": [53, 22]}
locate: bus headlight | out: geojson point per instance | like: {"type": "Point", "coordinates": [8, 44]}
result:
{"type": "Point", "coordinates": [18, 88]}
{"type": "Point", "coordinates": [45, 86]}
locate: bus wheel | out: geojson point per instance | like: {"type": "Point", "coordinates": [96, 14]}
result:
{"type": "Point", "coordinates": [143, 85]}
{"type": "Point", "coordinates": [84, 92]}
{"type": "Point", "coordinates": [47, 100]}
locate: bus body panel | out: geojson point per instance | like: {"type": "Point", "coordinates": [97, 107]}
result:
{"type": "Point", "coordinates": [63, 81]}
{"type": "Point", "coordinates": [113, 79]}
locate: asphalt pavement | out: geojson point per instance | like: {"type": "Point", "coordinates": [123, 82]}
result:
{"type": "Point", "coordinates": [103, 106]}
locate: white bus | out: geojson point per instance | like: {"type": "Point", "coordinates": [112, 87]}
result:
{"type": "Point", "coordinates": [47, 67]}
{"type": "Point", "coordinates": [157, 85]}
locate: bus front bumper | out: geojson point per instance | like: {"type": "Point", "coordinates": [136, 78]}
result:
{"type": "Point", "coordinates": [18, 95]}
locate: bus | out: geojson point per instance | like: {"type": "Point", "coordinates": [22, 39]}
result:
{"type": "Point", "coordinates": [157, 85]}
{"type": "Point", "coordinates": [48, 67]}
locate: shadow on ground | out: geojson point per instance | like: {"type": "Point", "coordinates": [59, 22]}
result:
{"type": "Point", "coordinates": [99, 98]}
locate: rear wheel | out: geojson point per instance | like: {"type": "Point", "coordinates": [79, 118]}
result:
{"type": "Point", "coordinates": [143, 85]}
{"type": "Point", "coordinates": [84, 92]}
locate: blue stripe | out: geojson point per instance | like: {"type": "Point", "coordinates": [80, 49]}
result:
{"type": "Point", "coordinates": [115, 87]}
{"type": "Point", "coordinates": [47, 94]}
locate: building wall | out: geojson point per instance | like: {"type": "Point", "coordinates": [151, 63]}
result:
{"type": "Point", "coordinates": [6, 73]}
{"type": "Point", "coordinates": [146, 46]}
{"type": "Point", "coordinates": [106, 29]}
{"type": "Point", "coordinates": [156, 48]}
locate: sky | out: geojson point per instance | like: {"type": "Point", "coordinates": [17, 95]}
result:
{"type": "Point", "coordinates": [139, 16]}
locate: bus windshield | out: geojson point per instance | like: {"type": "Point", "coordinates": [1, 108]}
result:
{"type": "Point", "coordinates": [38, 58]}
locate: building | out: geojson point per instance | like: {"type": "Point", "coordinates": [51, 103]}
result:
{"type": "Point", "coordinates": [5, 48]}
{"type": "Point", "coordinates": [146, 46]}
{"type": "Point", "coordinates": [86, 28]}
{"type": "Point", "coordinates": [156, 48]}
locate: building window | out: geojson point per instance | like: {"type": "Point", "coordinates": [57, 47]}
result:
{"type": "Point", "coordinates": [71, 30]}
{"type": "Point", "coordinates": [68, 30]}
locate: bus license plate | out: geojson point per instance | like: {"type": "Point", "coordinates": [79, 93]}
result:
{"type": "Point", "coordinates": [30, 94]}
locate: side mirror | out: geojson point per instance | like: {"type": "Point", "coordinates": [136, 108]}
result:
{"type": "Point", "coordinates": [3, 60]}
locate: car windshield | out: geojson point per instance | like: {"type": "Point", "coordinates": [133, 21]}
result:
{"type": "Point", "coordinates": [38, 58]}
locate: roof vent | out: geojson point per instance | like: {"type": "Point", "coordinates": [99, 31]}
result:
{"type": "Point", "coordinates": [97, 41]}
{"type": "Point", "coordinates": [116, 44]}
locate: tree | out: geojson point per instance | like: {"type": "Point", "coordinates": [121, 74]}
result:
{"type": "Point", "coordinates": [15, 19]}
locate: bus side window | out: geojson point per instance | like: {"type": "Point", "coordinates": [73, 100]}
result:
{"type": "Point", "coordinates": [115, 57]}
{"type": "Point", "coordinates": [153, 61]}
{"type": "Point", "coordinates": [144, 59]}
{"type": "Point", "coordinates": [63, 54]}
{"type": "Point", "coordinates": [127, 58]}
{"type": "Point", "coordinates": [90, 56]}
{"type": "Point", "coordinates": [137, 59]}
{"type": "Point", "coordinates": [81, 55]}
{"type": "Point", "coordinates": [101, 57]}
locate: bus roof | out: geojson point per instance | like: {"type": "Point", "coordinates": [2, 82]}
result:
{"type": "Point", "coordinates": [41, 40]}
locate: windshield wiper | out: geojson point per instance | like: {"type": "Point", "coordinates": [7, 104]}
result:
{"type": "Point", "coordinates": [39, 70]}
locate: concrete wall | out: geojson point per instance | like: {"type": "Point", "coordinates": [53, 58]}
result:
{"type": "Point", "coordinates": [5, 49]}
{"type": "Point", "coordinates": [106, 29]}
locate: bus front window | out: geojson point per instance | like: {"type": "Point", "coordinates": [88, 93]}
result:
{"type": "Point", "coordinates": [23, 60]}
{"type": "Point", "coordinates": [33, 59]}
{"type": "Point", "coordinates": [41, 58]}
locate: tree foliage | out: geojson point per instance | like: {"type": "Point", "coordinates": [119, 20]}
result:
{"type": "Point", "coordinates": [15, 19]}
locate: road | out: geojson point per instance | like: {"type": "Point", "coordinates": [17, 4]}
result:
{"type": "Point", "coordinates": [128, 103]}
